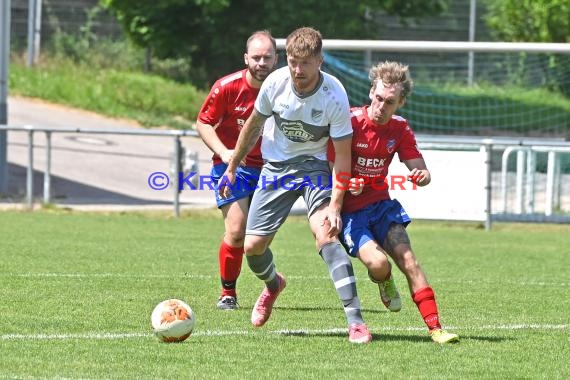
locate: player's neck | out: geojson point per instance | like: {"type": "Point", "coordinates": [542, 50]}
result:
{"type": "Point", "coordinates": [308, 88]}
{"type": "Point", "coordinates": [251, 80]}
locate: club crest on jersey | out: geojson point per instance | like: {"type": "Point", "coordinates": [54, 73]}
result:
{"type": "Point", "coordinates": [316, 115]}
{"type": "Point", "coordinates": [295, 132]}
{"type": "Point", "coordinates": [390, 145]}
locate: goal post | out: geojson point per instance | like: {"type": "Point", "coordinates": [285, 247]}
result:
{"type": "Point", "coordinates": [440, 46]}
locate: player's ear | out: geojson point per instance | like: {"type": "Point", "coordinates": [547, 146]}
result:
{"type": "Point", "coordinates": [371, 93]}
{"type": "Point", "coordinates": [245, 59]}
{"type": "Point", "coordinates": [402, 102]}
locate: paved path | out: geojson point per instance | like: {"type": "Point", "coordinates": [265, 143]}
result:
{"type": "Point", "coordinates": [94, 171]}
{"type": "Point", "coordinates": [111, 171]}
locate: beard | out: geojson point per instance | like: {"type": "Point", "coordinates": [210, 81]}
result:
{"type": "Point", "coordinates": [259, 74]}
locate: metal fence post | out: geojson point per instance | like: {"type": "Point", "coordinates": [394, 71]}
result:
{"type": "Point", "coordinates": [30, 171]}
{"type": "Point", "coordinates": [488, 185]}
{"type": "Point", "coordinates": [176, 179]}
{"type": "Point", "coordinates": [47, 173]}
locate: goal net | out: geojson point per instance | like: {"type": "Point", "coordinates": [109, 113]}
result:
{"type": "Point", "coordinates": [510, 93]}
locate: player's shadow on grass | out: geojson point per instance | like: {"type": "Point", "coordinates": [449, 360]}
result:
{"type": "Point", "coordinates": [420, 337]}
{"type": "Point", "coordinates": [325, 308]}
{"type": "Point", "coordinates": [340, 333]}
{"type": "Point", "coordinates": [490, 339]}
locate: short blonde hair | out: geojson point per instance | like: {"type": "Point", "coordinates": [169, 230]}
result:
{"type": "Point", "coordinates": [392, 73]}
{"type": "Point", "coordinates": [304, 42]}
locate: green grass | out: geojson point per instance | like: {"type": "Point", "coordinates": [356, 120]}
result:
{"type": "Point", "coordinates": [488, 109]}
{"type": "Point", "coordinates": [121, 90]}
{"type": "Point", "coordinates": [149, 99]}
{"type": "Point", "coordinates": [73, 282]}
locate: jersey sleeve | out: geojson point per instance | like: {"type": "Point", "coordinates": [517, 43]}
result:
{"type": "Point", "coordinates": [408, 149]}
{"type": "Point", "coordinates": [340, 127]}
{"type": "Point", "coordinates": [213, 110]}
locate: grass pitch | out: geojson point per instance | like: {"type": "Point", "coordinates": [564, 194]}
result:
{"type": "Point", "coordinates": [78, 290]}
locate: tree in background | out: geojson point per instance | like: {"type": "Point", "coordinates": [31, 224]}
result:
{"type": "Point", "coordinates": [210, 33]}
{"type": "Point", "coordinates": [534, 21]}
{"type": "Point", "coordinates": [529, 20]}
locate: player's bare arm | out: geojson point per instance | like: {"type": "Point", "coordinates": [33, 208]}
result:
{"type": "Point", "coordinates": [341, 165]}
{"type": "Point", "coordinates": [246, 140]}
{"type": "Point", "coordinates": [419, 172]}
{"type": "Point", "coordinates": [208, 134]}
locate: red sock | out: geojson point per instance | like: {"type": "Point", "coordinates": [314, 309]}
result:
{"type": "Point", "coordinates": [230, 259]}
{"type": "Point", "coordinates": [425, 301]}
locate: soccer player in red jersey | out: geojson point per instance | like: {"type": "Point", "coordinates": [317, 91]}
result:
{"type": "Point", "coordinates": [374, 224]}
{"type": "Point", "coordinates": [223, 114]}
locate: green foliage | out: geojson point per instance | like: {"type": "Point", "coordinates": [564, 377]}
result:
{"type": "Point", "coordinates": [155, 101]}
{"type": "Point", "coordinates": [529, 20]}
{"type": "Point", "coordinates": [211, 34]}
{"type": "Point", "coordinates": [456, 109]}
{"type": "Point", "coordinates": [148, 99]}
{"type": "Point", "coordinates": [76, 46]}
{"type": "Point", "coordinates": [533, 21]}
{"type": "Point", "coordinates": [411, 8]}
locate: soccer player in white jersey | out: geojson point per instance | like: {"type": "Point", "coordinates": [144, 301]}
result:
{"type": "Point", "coordinates": [372, 222]}
{"type": "Point", "coordinates": [304, 107]}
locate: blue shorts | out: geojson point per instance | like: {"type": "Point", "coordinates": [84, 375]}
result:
{"type": "Point", "coordinates": [246, 182]}
{"type": "Point", "coordinates": [371, 223]}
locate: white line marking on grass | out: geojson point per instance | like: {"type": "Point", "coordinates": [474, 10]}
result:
{"type": "Point", "coordinates": [111, 275]}
{"type": "Point", "coordinates": [524, 327]}
{"type": "Point", "coordinates": [89, 336]}
{"type": "Point", "coordinates": [301, 278]}
{"type": "Point", "coordinates": [502, 282]}
{"type": "Point", "coordinates": [113, 336]}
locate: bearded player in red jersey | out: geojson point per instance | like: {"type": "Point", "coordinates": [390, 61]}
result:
{"type": "Point", "coordinates": [374, 224]}
{"type": "Point", "coordinates": [223, 114]}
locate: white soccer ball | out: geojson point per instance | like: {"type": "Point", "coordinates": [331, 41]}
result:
{"type": "Point", "coordinates": [172, 320]}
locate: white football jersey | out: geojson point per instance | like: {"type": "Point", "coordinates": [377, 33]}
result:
{"type": "Point", "coordinates": [301, 125]}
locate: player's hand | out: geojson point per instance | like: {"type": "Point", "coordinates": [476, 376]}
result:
{"type": "Point", "coordinates": [356, 186]}
{"type": "Point", "coordinates": [333, 220]}
{"type": "Point", "coordinates": [228, 179]}
{"type": "Point", "coordinates": [226, 155]}
{"type": "Point", "coordinates": [421, 177]}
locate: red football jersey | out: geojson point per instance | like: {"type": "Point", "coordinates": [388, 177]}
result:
{"type": "Point", "coordinates": [373, 148]}
{"type": "Point", "coordinates": [227, 107]}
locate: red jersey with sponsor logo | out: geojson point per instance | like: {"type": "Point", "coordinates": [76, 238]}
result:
{"type": "Point", "coordinates": [373, 148]}
{"type": "Point", "coordinates": [227, 107]}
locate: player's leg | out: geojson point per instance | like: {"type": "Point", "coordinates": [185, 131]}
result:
{"type": "Point", "coordinates": [230, 253]}
{"type": "Point", "coordinates": [260, 261]}
{"type": "Point", "coordinates": [342, 274]}
{"type": "Point", "coordinates": [234, 210]}
{"type": "Point", "coordinates": [380, 272]}
{"type": "Point", "coordinates": [362, 230]}
{"type": "Point", "coordinates": [398, 246]}
{"type": "Point", "coordinates": [269, 208]}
